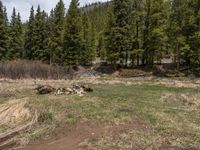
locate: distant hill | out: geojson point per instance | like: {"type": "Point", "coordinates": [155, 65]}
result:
{"type": "Point", "coordinates": [98, 13]}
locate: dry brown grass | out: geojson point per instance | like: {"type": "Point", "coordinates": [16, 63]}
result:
{"type": "Point", "coordinates": [17, 118]}
{"type": "Point", "coordinates": [185, 99]}
{"type": "Point", "coordinates": [14, 112]}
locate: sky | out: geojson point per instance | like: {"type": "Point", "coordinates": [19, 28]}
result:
{"type": "Point", "coordinates": [23, 6]}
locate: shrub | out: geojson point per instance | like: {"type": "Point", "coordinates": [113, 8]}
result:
{"type": "Point", "coordinates": [131, 72]}
{"type": "Point", "coordinates": [20, 69]}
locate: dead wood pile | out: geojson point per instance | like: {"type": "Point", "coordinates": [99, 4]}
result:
{"type": "Point", "coordinates": [44, 89]}
{"type": "Point", "coordinates": [75, 89]}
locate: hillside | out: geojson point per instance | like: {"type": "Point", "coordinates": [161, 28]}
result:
{"type": "Point", "coordinates": [98, 13]}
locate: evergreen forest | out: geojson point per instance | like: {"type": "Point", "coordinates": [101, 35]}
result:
{"type": "Point", "coordinates": [128, 33]}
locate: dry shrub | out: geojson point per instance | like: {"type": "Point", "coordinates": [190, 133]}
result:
{"type": "Point", "coordinates": [21, 69]}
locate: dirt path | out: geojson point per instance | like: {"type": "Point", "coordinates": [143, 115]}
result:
{"type": "Point", "coordinates": [71, 137]}
{"type": "Point", "coordinates": [67, 138]}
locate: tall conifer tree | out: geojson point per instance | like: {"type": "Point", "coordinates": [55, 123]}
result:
{"type": "Point", "coordinates": [93, 52]}
{"type": "Point", "coordinates": [40, 36]}
{"type": "Point", "coordinates": [73, 35]}
{"type": "Point", "coordinates": [56, 21]}
{"type": "Point", "coordinates": [137, 30]}
{"type": "Point", "coordinates": [16, 35]}
{"type": "Point", "coordinates": [120, 30]}
{"type": "Point", "coordinates": [177, 37]}
{"type": "Point", "coordinates": [157, 34]}
{"type": "Point", "coordinates": [3, 33]}
{"type": "Point", "coordinates": [89, 49]}
{"type": "Point", "coordinates": [192, 32]}
{"type": "Point", "coordinates": [29, 41]}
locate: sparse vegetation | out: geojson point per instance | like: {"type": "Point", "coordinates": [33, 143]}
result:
{"type": "Point", "coordinates": [120, 49]}
{"type": "Point", "coordinates": [169, 114]}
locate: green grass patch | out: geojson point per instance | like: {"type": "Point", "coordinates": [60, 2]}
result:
{"type": "Point", "coordinates": [114, 103]}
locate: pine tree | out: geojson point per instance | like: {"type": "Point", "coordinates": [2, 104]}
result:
{"type": "Point", "coordinates": [147, 15]}
{"type": "Point", "coordinates": [12, 54]}
{"type": "Point", "coordinates": [86, 40]}
{"type": "Point", "coordinates": [157, 35]}
{"type": "Point", "coordinates": [137, 30]}
{"type": "Point", "coordinates": [89, 49]}
{"type": "Point", "coordinates": [20, 35]}
{"type": "Point", "coordinates": [73, 35]}
{"type": "Point", "coordinates": [44, 30]}
{"type": "Point", "coordinates": [15, 42]}
{"type": "Point", "coordinates": [3, 33]}
{"type": "Point", "coordinates": [120, 31]}
{"type": "Point", "coordinates": [56, 22]}
{"type": "Point", "coordinates": [6, 17]}
{"type": "Point", "coordinates": [59, 14]}
{"type": "Point", "coordinates": [29, 42]}
{"type": "Point", "coordinates": [192, 33]}
{"type": "Point", "coordinates": [37, 38]}
{"type": "Point", "coordinates": [101, 47]}
{"type": "Point", "coordinates": [93, 44]}
{"type": "Point", "coordinates": [177, 38]}
{"type": "Point", "coordinates": [40, 36]}
{"type": "Point", "coordinates": [51, 41]}
{"type": "Point", "coordinates": [6, 29]}
{"type": "Point", "coordinates": [110, 42]}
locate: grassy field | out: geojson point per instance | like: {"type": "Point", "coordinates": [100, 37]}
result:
{"type": "Point", "coordinates": [144, 113]}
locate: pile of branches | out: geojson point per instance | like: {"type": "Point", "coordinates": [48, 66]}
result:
{"type": "Point", "coordinates": [75, 89]}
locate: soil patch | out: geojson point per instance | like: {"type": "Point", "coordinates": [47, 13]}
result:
{"type": "Point", "coordinates": [73, 137]}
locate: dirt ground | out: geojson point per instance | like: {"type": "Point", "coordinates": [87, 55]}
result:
{"type": "Point", "coordinates": [67, 138]}
{"type": "Point", "coordinates": [75, 137]}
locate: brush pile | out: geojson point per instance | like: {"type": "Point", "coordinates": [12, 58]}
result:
{"type": "Point", "coordinates": [75, 89]}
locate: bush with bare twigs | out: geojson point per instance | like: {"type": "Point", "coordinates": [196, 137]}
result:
{"type": "Point", "coordinates": [31, 69]}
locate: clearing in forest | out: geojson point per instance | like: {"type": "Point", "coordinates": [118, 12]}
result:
{"type": "Point", "coordinates": [139, 113]}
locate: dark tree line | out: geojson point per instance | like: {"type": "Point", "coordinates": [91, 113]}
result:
{"type": "Point", "coordinates": [145, 31]}
{"type": "Point", "coordinates": [126, 32]}
{"type": "Point", "coordinates": [58, 38]}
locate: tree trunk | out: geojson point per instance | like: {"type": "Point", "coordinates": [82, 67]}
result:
{"type": "Point", "coordinates": [178, 57]}
{"type": "Point", "coordinates": [126, 58]}
{"type": "Point", "coordinates": [138, 45]}
{"type": "Point", "coordinates": [145, 59]}
{"type": "Point", "coordinates": [138, 60]}
{"type": "Point", "coordinates": [51, 58]}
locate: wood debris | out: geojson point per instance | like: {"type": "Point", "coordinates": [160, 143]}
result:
{"type": "Point", "coordinates": [75, 89]}
{"type": "Point", "coordinates": [45, 89]}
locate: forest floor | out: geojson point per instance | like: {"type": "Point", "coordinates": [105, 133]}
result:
{"type": "Point", "coordinates": [121, 113]}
